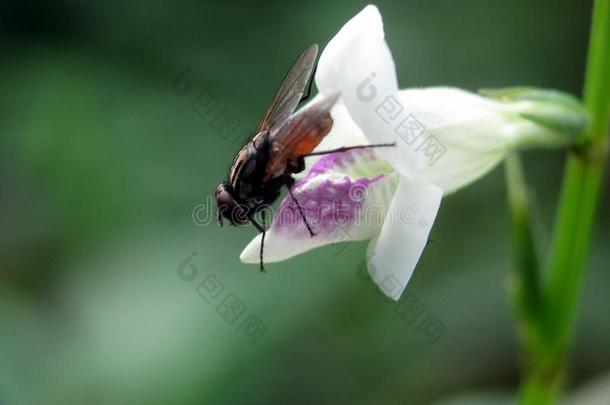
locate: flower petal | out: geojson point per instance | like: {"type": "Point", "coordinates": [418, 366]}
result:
{"type": "Point", "coordinates": [368, 76]}
{"type": "Point", "coordinates": [447, 136]}
{"type": "Point", "coordinates": [392, 256]}
{"type": "Point", "coordinates": [366, 24]}
{"type": "Point", "coordinates": [460, 136]}
{"type": "Point", "coordinates": [344, 197]}
{"type": "Point", "coordinates": [358, 63]}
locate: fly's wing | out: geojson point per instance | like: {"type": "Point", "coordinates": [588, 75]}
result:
{"type": "Point", "coordinates": [291, 91]}
{"type": "Point", "coordinates": [299, 136]}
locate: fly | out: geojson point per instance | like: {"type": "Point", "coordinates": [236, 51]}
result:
{"type": "Point", "coordinates": [278, 149]}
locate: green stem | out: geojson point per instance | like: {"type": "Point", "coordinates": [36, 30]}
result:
{"type": "Point", "coordinates": [525, 282]}
{"type": "Point", "coordinates": [575, 219]}
{"type": "Point", "coordinates": [526, 289]}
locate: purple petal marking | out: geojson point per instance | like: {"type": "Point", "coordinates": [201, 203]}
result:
{"type": "Point", "coordinates": [328, 206]}
{"type": "Point", "coordinates": [331, 162]}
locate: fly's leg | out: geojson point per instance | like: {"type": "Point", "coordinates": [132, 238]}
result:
{"type": "Point", "coordinates": [311, 233]}
{"type": "Point", "coordinates": [346, 148]}
{"type": "Point", "coordinates": [289, 184]}
{"type": "Point", "coordinates": [263, 231]}
{"type": "Point", "coordinates": [263, 218]}
{"type": "Point", "coordinates": [297, 166]}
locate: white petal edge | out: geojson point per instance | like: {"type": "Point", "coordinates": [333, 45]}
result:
{"type": "Point", "coordinates": [366, 24]}
{"type": "Point", "coordinates": [393, 255]}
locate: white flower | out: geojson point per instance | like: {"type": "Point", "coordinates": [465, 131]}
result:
{"type": "Point", "coordinates": [445, 139]}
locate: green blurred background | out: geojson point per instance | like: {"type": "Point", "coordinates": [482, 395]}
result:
{"type": "Point", "coordinates": [103, 157]}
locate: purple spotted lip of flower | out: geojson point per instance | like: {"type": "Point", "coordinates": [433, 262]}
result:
{"type": "Point", "coordinates": [328, 205]}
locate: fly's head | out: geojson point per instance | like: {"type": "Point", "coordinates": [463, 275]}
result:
{"type": "Point", "coordinates": [228, 207]}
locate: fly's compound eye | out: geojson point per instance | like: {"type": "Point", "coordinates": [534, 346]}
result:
{"type": "Point", "coordinates": [236, 213]}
